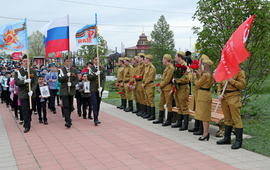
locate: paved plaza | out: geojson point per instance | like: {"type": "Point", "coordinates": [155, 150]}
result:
{"type": "Point", "coordinates": [121, 141]}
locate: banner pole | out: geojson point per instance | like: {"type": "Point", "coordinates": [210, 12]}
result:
{"type": "Point", "coordinates": [221, 96]}
{"type": "Point", "coordinates": [69, 71]}
{"type": "Point", "coordinates": [29, 84]}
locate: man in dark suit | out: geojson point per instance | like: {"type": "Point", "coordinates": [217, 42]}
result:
{"type": "Point", "coordinates": [22, 81]}
{"type": "Point", "coordinates": [64, 73]}
{"type": "Point", "coordinates": [92, 76]}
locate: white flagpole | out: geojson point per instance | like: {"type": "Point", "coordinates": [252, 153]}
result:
{"type": "Point", "coordinates": [221, 96]}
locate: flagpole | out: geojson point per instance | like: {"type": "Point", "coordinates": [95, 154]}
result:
{"type": "Point", "coordinates": [221, 96]}
{"type": "Point", "coordinates": [29, 84]}
{"type": "Point", "coordinates": [69, 71]}
{"type": "Point", "coordinates": [98, 70]}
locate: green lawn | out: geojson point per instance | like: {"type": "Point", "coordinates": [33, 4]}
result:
{"type": "Point", "coordinates": [256, 117]}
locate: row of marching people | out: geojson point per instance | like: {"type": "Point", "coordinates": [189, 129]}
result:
{"type": "Point", "coordinates": [174, 88]}
{"type": "Point", "coordinates": [28, 90]}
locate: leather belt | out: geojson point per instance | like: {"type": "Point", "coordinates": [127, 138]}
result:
{"type": "Point", "coordinates": [204, 89]}
{"type": "Point", "coordinates": [126, 81]}
{"type": "Point", "coordinates": [139, 80]}
{"type": "Point", "coordinates": [230, 91]}
{"type": "Point", "coordinates": [120, 81]}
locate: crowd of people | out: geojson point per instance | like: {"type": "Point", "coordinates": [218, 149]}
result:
{"type": "Point", "coordinates": [26, 89]}
{"type": "Point", "coordinates": [180, 77]}
{"type": "Point", "coordinates": [23, 88]}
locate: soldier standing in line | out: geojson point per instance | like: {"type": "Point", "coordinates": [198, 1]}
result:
{"type": "Point", "coordinates": [67, 96]}
{"type": "Point", "coordinates": [119, 85]}
{"type": "Point", "coordinates": [128, 73]}
{"type": "Point", "coordinates": [165, 88]}
{"type": "Point", "coordinates": [94, 86]}
{"type": "Point", "coordinates": [22, 81]}
{"type": "Point", "coordinates": [181, 95]}
{"type": "Point", "coordinates": [231, 105]}
{"type": "Point", "coordinates": [134, 86]}
{"type": "Point", "coordinates": [149, 86]}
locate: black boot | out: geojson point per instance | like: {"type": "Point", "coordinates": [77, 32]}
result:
{"type": "Point", "coordinates": [124, 106]}
{"type": "Point", "coordinates": [168, 122]}
{"type": "Point", "coordinates": [153, 114]}
{"type": "Point", "coordinates": [145, 111]}
{"type": "Point", "coordinates": [200, 131]}
{"type": "Point", "coordinates": [160, 118]}
{"type": "Point", "coordinates": [227, 136]}
{"type": "Point", "coordinates": [118, 107]}
{"type": "Point", "coordinates": [130, 106]}
{"type": "Point", "coordinates": [137, 107]}
{"type": "Point", "coordinates": [148, 111]}
{"type": "Point", "coordinates": [196, 126]}
{"type": "Point", "coordinates": [141, 110]}
{"type": "Point", "coordinates": [185, 125]}
{"type": "Point", "coordinates": [239, 138]}
{"type": "Point", "coordinates": [179, 121]}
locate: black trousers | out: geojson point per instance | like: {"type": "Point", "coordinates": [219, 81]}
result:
{"type": "Point", "coordinates": [27, 113]}
{"type": "Point", "coordinates": [2, 95]}
{"type": "Point", "coordinates": [67, 106]}
{"type": "Point", "coordinates": [34, 105]}
{"type": "Point", "coordinates": [42, 105]}
{"type": "Point", "coordinates": [7, 96]}
{"type": "Point", "coordinates": [52, 99]}
{"type": "Point", "coordinates": [96, 104]}
{"type": "Point", "coordinates": [87, 102]}
{"type": "Point", "coordinates": [79, 104]}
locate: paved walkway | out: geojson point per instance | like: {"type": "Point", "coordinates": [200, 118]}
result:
{"type": "Point", "coordinates": [122, 141]}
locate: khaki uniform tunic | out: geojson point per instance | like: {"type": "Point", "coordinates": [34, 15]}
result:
{"type": "Point", "coordinates": [181, 95]}
{"type": "Point", "coordinates": [204, 98]}
{"type": "Point", "coordinates": [194, 80]}
{"type": "Point", "coordinates": [128, 73]}
{"type": "Point", "coordinates": [135, 91]}
{"type": "Point", "coordinates": [231, 103]}
{"type": "Point", "coordinates": [120, 75]}
{"type": "Point", "coordinates": [139, 88]}
{"type": "Point", "coordinates": [166, 86]}
{"type": "Point", "coordinates": [149, 85]}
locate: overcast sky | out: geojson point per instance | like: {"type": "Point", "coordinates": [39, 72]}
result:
{"type": "Point", "coordinates": [119, 21]}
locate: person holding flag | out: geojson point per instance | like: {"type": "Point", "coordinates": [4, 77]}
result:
{"type": "Point", "coordinates": [229, 92]}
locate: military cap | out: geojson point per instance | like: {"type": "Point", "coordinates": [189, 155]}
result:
{"type": "Point", "coordinates": [168, 57]}
{"type": "Point", "coordinates": [41, 75]}
{"type": "Point", "coordinates": [136, 58]}
{"type": "Point", "coordinates": [121, 58]}
{"type": "Point", "coordinates": [84, 73]}
{"type": "Point", "coordinates": [181, 53]}
{"type": "Point", "coordinates": [126, 58]}
{"type": "Point", "coordinates": [205, 59]}
{"type": "Point", "coordinates": [139, 54]}
{"type": "Point", "coordinates": [149, 56]}
{"type": "Point", "coordinates": [52, 64]}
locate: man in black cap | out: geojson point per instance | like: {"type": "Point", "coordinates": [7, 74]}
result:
{"type": "Point", "coordinates": [67, 88]}
{"type": "Point", "coordinates": [22, 81]}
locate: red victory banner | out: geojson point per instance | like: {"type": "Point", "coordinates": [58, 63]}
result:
{"type": "Point", "coordinates": [234, 52]}
{"type": "Point", "coordinates": [17, 55]}
{"type": "Point", "coordinates": [58, 54]}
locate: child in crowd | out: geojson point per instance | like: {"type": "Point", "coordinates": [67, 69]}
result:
{"type": "Point", "coordinates": [5, 85]}
{"type": "Point", "coordinates": [86, 96]}
{"type": "Point", "coordinates": [41, 101]}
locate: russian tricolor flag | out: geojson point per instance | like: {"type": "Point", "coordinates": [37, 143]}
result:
{"type": "Point", "coordinates": [56, 35]}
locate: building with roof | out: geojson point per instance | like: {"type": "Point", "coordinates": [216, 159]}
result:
{"type": "Point", "coordinates": [141, 47]}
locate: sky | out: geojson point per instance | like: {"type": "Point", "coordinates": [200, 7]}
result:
{"type": "Point", "coordinates": [119, 21]}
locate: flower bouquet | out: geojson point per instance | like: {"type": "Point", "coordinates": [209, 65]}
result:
{"type": "Point", "coordinates": [179, 72]}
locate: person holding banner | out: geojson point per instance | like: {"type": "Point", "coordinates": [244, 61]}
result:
{"type": "Point", "coordinates": [67, 96]}
{"type": "Point", "coordinates": [22, 81]}
{"type": "Point", "coordinates": [94, 86]}
{"type": "Point", "coordinates": [231, 105]}
{"type": "Point", "coordinates": [204, 98]}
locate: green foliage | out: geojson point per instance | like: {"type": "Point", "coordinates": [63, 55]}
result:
{"type": "Point", "coordinates": [89, 51]}
{"type": "Point", "coordinates": [36, 44]}
{"type": "Point", "coordinates": [220, 18]}
{"type": "Point", "coordinates": [162, 43]}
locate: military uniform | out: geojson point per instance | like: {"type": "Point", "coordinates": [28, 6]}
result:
{"type": "Point", "coordinates": [128, 73]}
{"type": "Point", "coordinates": [149, 88]}
{"type": "Point", "coordinates": [67, 98]}
{"type": "Point", "coordinates": [136, 95]}
{"type": "Point", "coordinates": [93, 78]}
{"type": "Point", "coordinates": [120, 75]}
{"type": "Point", "coordinates": [140, 91]}
{"type": "Point", "coordinates": [21, 74]}
{"type": "Point", "coordinates": [165, 97]}
{"type": "Point", "coordinates": [181, 98]}
{"type": "Point", "coordinates": [231, 105]}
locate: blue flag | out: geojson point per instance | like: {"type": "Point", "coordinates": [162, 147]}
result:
{"type": "Point", "coordinates": [14, 36]}
{"type": "Point", "coordinates": [87, 35]}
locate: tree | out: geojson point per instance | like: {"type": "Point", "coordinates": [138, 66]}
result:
{"type": "Point", "coordinates": [162, 42]}
{"type": "Point", "coordinates": [220, 18]}
{"type": "Point", "coordinates": [36, 44]}
{"type": "Point", "coordinates": [89, 51]}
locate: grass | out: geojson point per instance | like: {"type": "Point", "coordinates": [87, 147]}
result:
{"type": "Point", "coordinates": [255, 117]}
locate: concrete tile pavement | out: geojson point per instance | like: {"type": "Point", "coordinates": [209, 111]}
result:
{"type": "Point", "coordinates": [130, 143]}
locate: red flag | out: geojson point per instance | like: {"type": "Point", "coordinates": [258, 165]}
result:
{"type": "Point", "coordinates": [234, 52]}
{"type": "Point", "coordinates": [16, 55]}
{"type": "Point", "coordinates": [58, 54]}
{"type": "Point", "coordinates": [83, 71]}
